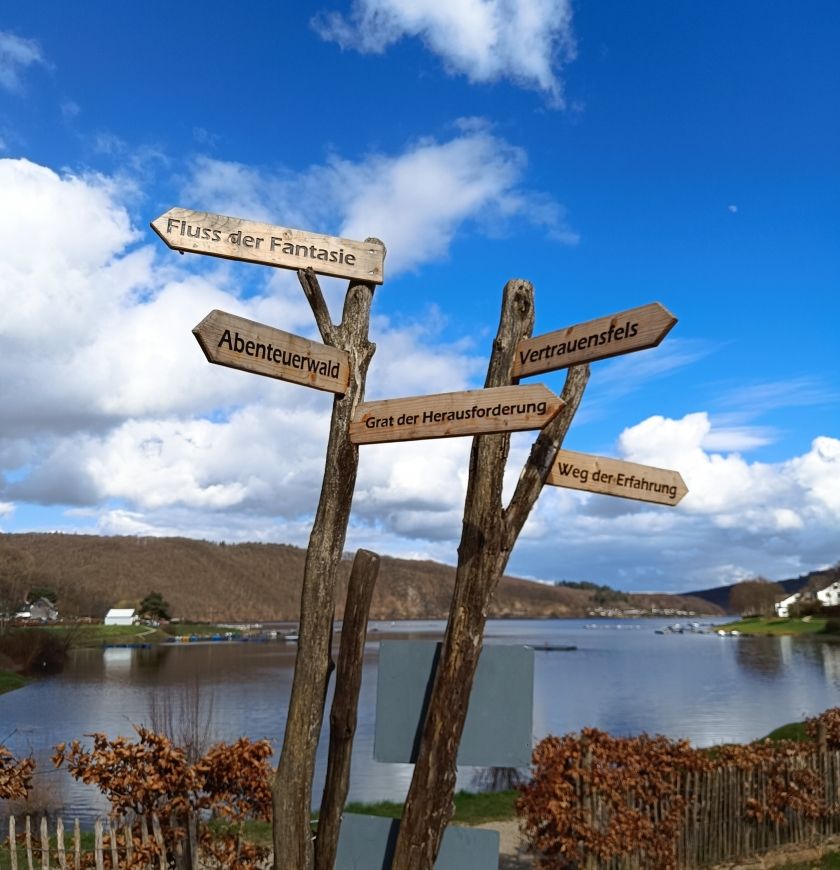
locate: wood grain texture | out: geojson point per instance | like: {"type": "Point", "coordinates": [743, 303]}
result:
{"type": "Point", "coordinates": [589, 473]}
{"type": "Point", "coordinates": [233, 341]}
{"type": "Point", "coordinates": [446, 415]}
{"type": "Point", "coordinates": [488, 534]}
{"type": "Point", "coordinates": [292, 787]}
{"type": "Point", "coordinates": [343, 714]}
{"type": "Point", "coordinates": [232, 238]}
{"type": "Point", "coordinates": [613, 335]}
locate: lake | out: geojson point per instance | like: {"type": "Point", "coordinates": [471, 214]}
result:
{"type": "Point", "coordinates": [623, 678]}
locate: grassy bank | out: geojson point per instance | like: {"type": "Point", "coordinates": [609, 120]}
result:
{"type": "Point", "coordinates": [10, 681]}
{"type": "Point", "coordinates": [470, 809]}
{"type": "Point", "coordinates": [776, 625]}
{"type": "Point", "coordinates": [94, 635]}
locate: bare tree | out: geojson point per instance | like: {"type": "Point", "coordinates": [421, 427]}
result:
{"type": "Point", "coordinates": [17, 568]}
{"type": "Point", "coordinates": [186, 718]}
{"type": "Point", "coordinates": [755, 597]}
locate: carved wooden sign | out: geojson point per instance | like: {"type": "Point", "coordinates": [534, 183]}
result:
{"type": "Point", "coordinates": [446, 415]}
{"type": "Point", "coordinates": [233, 341]}
{"type": "Point", "coordinates": [623, 332]}
{"type": "Point", "coordinates": [616, 477]}
{"type": "Point", "coordinates": [200, 232]}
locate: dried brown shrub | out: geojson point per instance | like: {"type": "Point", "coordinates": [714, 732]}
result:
{"type": "Point", "coordinates": [15, 775]}
{"type": "Point", "coordinates": [593, 795]}
{"type": "Point", "coordinates": [150, 775]}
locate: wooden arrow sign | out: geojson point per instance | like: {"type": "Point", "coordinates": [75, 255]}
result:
{"type": "Point", "coordinates": [626, 331]}
{"type": "Point", "coordinates": [616, 477]}
{"type": "Point", "coordinates": [446, 415]}
{"type": "Point", "coordinates": [234, 239]}
{"type": "Point", "coordinates": [233, 341]}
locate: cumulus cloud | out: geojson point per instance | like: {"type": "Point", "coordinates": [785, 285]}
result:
{"type": "Point", "coordinates": [526, 41]}
{"type": "Point", "coordinates": [16, 54]}
{"type": "Point", "coordinates": [416, 200]}
{"type": "Point", "coordinates": [740, 518]}
{"type": "Point", "coordinates": [111, 409]}
{"type": "Point", "coordinates": [109, 404]}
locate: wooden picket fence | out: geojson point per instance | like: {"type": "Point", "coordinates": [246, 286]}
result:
{"type": "Point", "coordinates": [115, 846]}
{"type": "Point", "coordinates": [717, 826]}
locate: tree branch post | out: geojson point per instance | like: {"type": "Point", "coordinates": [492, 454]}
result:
{"type": "Point", "coordinates": [292, 787]}
{"type": "Point", "coordinates": [487, 538]}
{"type": "Point", "coordinates": [348, 682]}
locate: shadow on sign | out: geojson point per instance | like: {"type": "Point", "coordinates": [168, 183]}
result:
{"type": "Point", "coordinates": [499, 725]}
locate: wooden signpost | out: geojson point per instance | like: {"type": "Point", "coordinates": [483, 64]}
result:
{"type": "Point", "coordinates": [616, 477]}
{"type": "Point", "coordinates": [233, 341]}
{"type": "Point", "coordinates": [446, 415]}
{"type": "Point", "coordinates": [489, 530]}
{"type": "Point", "coordinates": [200, 232]}
{"type": "Point", "coordinates": [613, 335]}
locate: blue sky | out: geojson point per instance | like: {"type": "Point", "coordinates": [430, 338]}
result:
{"type": "Point", "coordinates": [612, 154]}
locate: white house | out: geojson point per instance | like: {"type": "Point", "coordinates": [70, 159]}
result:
{"type": "Point", "coordinates": [830, 596]}
{"type": "Point", "coordinates": [120, 616]}
{"type": "Point", "coordinates": [783, 606]}
{"type": "Point", "coordinates": [41, 610]}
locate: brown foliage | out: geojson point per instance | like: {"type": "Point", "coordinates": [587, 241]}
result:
{"type": "Point", "coordinates": [829, 722]}
{"type": "Point", "coordinates": [15, 775]}
{"type": "Point", "coordinates": [597, 795]}
{"type": "Point", "coordinates": [153, 776]}
{"type": "Point", "coordinates": [756, 596]}
{"type": "Point", "coordinates": [593, 794]}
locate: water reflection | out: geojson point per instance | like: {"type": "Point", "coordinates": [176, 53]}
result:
{"type": "Point", "coordinates": [760, 655]}
{"type": "Point", "coordinates": [622, 677]}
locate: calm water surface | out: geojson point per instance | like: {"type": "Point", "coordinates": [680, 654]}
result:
{"type": "Point", "coordinates": [623, 678]}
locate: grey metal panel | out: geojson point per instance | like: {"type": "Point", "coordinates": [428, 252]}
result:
{"type": "Point", "coordinates": [367, 843]}
{"type": "Point", "coordinates": [499, 725]}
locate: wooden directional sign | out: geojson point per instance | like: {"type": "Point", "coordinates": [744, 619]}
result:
{"type": "Point", "coordinates": [616, 477]}
{"type": "Point", "coordinates": [235, 239]}
{"type": "Point", "coordinates": [626, 331]}
{"type": "Point", "coordinates": [445, 415]}
{"type": "Point", "coordinates": [253, 347]}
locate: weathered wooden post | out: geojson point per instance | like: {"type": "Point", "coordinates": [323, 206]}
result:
{"type": "Point", "coordinates": [348, 681]}
{"type": "Point", "coordinates": [292, 789]}
{"type": "Point", "coordinates": [340, 366]}
{"type": "Point", "coordinates": [490, 531]}
{"type": "Point", "coordinates": [488, 535]}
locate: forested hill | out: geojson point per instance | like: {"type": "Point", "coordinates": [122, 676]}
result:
{"type": "Point", "coordinates": [719, 595]}
{"type": "Point", "coordinates": [259, 582]}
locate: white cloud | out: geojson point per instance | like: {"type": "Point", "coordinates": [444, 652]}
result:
{"type": "Point", "coordinates": [110, 406]}
{"type": "Point", "coordinates": [526, 41]}
{"type": "Point", "coordinates": [415, 201]}
{"type": "Point", "coordinates": [16, 54]}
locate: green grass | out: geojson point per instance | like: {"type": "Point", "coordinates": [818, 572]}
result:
{"type": "Point", "coordinates": [10, 681]}
{"type": "Point", "coordinates": [87, 844]}
{"type": "Point", "coordinates": [470, 809]}
{"type": "Point", "coordinates": [791, 731]}
{"type": "Point", "coordinates": [777, 625]}
{"type": "Point", "coordinates": [90, 635]}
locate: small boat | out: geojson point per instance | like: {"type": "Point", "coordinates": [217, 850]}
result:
{"type": "Point", "coordinates": [554, 647]}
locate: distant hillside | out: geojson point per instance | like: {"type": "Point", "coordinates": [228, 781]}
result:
{"type": "Point", "coordinates": [254, 582]}
{"type": "Point", "coordinates": [719, 595]}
